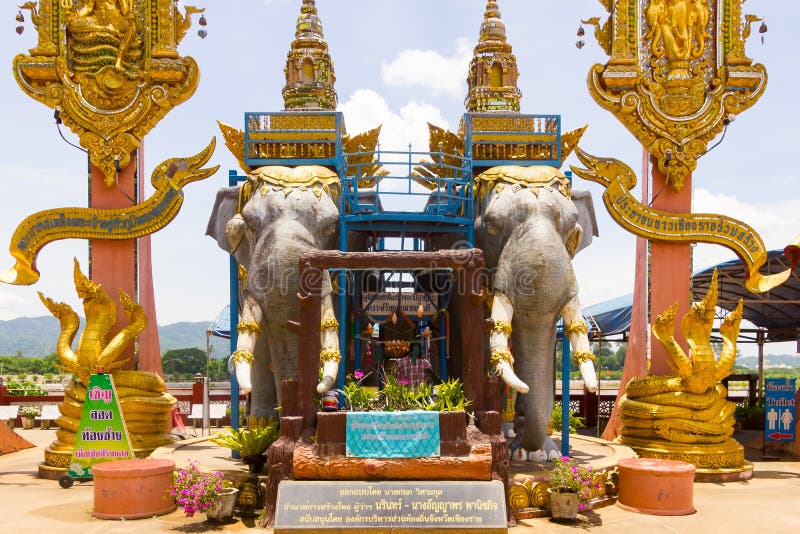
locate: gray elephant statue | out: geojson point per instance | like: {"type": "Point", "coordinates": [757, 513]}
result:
{"type": "Point", "coordinates": [267, 223]}
{"type": "Point", "coordinates": [529, 224]}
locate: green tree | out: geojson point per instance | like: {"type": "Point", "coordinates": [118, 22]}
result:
{"type": "Point", "coordinates": [188, 361]}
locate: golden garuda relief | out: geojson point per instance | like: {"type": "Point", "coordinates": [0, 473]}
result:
{"type": "Point", "coordinates": [678, 74]}
{"type": "Point", "coordinates": [110, 68]}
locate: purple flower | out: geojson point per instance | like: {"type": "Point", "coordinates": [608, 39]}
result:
{"type": "Point", "coordinates": [358, 374]}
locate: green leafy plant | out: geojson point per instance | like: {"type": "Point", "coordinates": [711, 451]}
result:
{"type": "Point", "coordinates": [398, 396]}
{"type": "Point", "coordinates": [450, 397]}
{"type": "Point", "coordinates": [249, 441]}
{"type": "Point", "coordinates": [751, 417]}
{"type": "Point", "coordinates": [30, 411]}
{"type": "Point", "coordinates": [569, 476]}
{"type": "Point", "coordinates": [24, 388]}
{"type": "Point", "coordinates": [575, 422]}
{"type": "Point", "coordinates": [357, 395]}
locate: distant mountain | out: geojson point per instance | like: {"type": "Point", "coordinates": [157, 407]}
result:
{"type": "Point", "coordinates": [770, 360]}
{"type": "Point", "coordinates": [36, 337]}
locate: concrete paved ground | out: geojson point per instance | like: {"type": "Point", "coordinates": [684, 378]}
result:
{"type": "Point", "coordinates": [768, 503]}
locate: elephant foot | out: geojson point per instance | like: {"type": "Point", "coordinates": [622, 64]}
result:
{"type": "Point", "coordinates": [539, 456]}
{"type": "Point", "coordinates": [550, 450]}
{"type": "Point", "coordinates": [519, 455]}
{"type": "Point", "coordinates": [508, 430]}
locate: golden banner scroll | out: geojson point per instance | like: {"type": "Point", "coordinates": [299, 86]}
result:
{"type": "Point", "coordinates": [156, 212]}
{"type": "Point", "coordinates": [657, 225]}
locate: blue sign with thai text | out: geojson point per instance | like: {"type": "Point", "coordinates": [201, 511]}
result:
{"type": "Point", "coordinates": [413, 434]}
{"type": "Point", "coordinates": [780, 409]}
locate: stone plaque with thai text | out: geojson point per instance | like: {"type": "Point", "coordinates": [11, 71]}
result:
{"type": "Point", "coordinates": [342, 506]}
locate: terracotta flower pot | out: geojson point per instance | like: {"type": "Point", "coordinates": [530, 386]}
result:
{"type": "Point", "coordinates": [563, 505]}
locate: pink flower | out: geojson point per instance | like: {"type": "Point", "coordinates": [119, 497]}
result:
{"type": "Point", "coordinates": [358, 374]}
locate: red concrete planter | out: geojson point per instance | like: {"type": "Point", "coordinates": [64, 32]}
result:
{"type": "Point", "coordinates": [133, 489]}
{"type": "Point", "coordinates": [656, 487]}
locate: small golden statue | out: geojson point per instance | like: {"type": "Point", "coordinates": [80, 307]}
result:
{"type": "Point", "coordinates": [145, 404]}
{"type": "Point", "coordinates": [686, 416]}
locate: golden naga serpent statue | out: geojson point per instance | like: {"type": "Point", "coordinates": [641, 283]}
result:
{"type": "Point", "coordinates": [145, 404]}
{"type": "Point", "coordinates": [686, 416]}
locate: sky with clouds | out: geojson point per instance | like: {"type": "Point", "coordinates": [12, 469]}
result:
{"type": "Point", "coordinates": [400, 64]}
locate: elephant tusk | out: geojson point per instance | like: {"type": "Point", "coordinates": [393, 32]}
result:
{"type": "Point", "coordinates": [507, 374]}
{"type": "Point", "coordinates": [589, 375]}
{"type": "Point", "coordinates": [243, 377]}
{"type": "Point", "coordinates": [329, 341]}
{"type": "Point", "coordinates": [330, 370]}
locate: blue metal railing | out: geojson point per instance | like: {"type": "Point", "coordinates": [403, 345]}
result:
{"type": "Point", "coordinates": [400, 192]}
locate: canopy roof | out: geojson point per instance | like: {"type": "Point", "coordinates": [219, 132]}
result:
{"type": "Point", "coordinates": [221, 326]}
{"type": "Point", "coordinates": [777, 311]}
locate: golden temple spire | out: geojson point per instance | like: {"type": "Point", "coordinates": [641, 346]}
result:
{"type": "Point", "coordinates": [493, 73]}
{"type": "Point", "coordinates": [309, 68]}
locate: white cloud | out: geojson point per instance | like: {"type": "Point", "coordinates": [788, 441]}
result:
{"type": "Point", "coordinates": [366, 109]}
{"type": "Point", "coordinates": [776, 222]}
{"type": "Point", "coordinates": [431, 70]}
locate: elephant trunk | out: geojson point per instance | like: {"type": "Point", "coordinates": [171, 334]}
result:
{"type": "Point", "coordinates": [534, 345]}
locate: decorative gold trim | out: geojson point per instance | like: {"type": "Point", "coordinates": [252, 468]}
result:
{"type": "Point", "coordinates": [329, 323]}
{"type": "Point", "coordinates": [576, 328]}
{"type": "Point", "coordinates": [112, 71]}
{"type": "Point", "coordinates": [502, 327]}
{"type": "Point", "coordinates": [330, 355]}
{"type": "Point", "coordinates": [677, 75]}
{"type": "Point", "coordinates": [582, 356]}
{"type": "Point", "coordinates": [243, 356]}
{"type": "Point", "coordinates": [656, 225]}
{"type": "Point", "coordinates": [155, 213]}
{"type": "Point", "coordinates": [499, 356]}
{"type": "Point", "coordinates": [248, 327]}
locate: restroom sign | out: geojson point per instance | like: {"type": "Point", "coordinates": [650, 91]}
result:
{"type": "Point", "coordinates": [780, 410]}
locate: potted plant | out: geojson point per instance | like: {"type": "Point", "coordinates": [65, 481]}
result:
{"type": "Point", "coordinates": [570, 488]}
{"type": "Point", "coordinates": [575, 422]}
{"type": "Point", "coordinates": [252, 443]}
{"type": "Point", "coordinates": [29, 414]}
{"type": "Point", "coordinates": [201, 491]}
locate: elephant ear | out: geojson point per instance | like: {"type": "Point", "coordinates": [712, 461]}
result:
{"type": "Point", "coordinates": [586, 220]}
{"type": "Point", "coordinates": [227, 227]}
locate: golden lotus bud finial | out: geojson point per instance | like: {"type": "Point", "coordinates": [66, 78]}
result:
{"type": "Point", "coordinates": [309, 70]}
{"type": "Point", "coordinates": [493, 70]}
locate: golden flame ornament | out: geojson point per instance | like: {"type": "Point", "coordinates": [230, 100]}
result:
{"type": "Point", "coordinates": [111, 69]}
{"type": "Point", "coordinates": [677, 74]}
